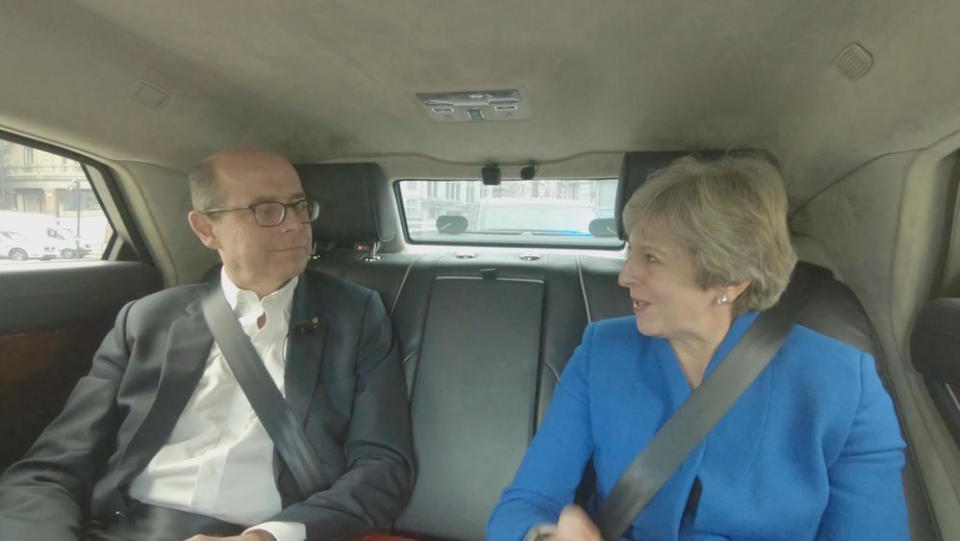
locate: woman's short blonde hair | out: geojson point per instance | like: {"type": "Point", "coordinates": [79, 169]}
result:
{"type": "Point", "coordinates": [731, 214]}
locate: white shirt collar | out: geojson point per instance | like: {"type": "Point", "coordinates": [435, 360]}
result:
{"type": "Point", "coordinates": [244, 301]}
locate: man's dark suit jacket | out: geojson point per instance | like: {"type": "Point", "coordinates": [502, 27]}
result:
{"type": "Point", "coordinates": [343, 380]}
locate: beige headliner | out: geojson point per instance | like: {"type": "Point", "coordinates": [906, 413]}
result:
{"type": "Point", "coordinates": [332, 80]}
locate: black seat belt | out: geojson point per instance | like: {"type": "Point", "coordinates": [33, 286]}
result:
{"type": "Point", "coordinates": [273, 411]}
{"type": "Point", "coordinates": [691, 423]}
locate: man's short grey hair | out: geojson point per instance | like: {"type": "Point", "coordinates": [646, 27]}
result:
{"type": "Point", "coordinates": [731, 214]}
{"type": "Point", "coordinates": [203, 185]}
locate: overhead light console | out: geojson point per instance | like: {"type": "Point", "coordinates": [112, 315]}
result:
{"type": "Point", "coordinates": [475, 105]}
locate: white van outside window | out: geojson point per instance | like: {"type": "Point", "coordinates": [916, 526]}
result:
{"type": "Point", "coordinates": [48, 210]}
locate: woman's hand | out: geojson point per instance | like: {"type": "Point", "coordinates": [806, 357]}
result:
{"type": "Point", "coordinates": [575, 525]}
{"type": "Point", "coordinates": [254, 535]}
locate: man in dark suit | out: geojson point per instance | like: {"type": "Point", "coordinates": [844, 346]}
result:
{"type": "Point", "coordinates": [159, 441]}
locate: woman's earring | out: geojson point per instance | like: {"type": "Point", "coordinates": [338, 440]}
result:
{"type": "Point", "coordinates": [722, 299]}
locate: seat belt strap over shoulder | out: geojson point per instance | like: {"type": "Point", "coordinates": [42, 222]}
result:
{"type": "Point", "coordinates": [275, 415]}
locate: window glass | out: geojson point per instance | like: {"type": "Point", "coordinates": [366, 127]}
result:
{"type": "Point", "coordinates": [535, 212]}
{"type": "Point", "coordinates": [48, 210]}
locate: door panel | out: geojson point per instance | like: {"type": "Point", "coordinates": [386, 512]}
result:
{"type": "Point", "coordinates": [52, 319]}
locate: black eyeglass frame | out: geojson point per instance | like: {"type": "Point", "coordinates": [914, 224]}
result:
{"type": "Point", "coordinates": [313, 210]}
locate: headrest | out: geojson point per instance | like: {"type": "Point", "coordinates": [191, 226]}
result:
{"type": "Point", "coordinates": [935, 340]}
{"type": "Point", "coordinates": [637, 166]}
{"type": "Point", "coordinates": [357, 204]}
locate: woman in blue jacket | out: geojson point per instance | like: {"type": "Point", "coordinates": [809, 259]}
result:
{"type": "Point", "coordinates": [812, 449]}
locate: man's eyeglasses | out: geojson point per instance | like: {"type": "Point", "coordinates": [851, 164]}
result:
{"type": "Point", "coordinates": [272, 213]}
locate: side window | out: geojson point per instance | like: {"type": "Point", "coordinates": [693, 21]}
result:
{"type": "Point", "coordinates": [935, 333]}
{"type": "Point", "coordinates": [48, 209]}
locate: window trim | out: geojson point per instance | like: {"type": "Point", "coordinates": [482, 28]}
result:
{"type": "Point", "coordinates": [945, 400]}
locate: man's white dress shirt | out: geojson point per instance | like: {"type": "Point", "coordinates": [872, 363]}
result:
{"type": "Point", "coordinates": [218, 461]}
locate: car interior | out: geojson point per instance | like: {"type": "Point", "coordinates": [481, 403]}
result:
{"type": "Point", "coordinates": [855, 102]}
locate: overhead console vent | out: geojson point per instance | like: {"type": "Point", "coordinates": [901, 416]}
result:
{"type": "Point", "coordinates": [475, 106]}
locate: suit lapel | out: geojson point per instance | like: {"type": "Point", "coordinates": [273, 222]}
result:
{"type": "Point", "coordinates": [308, 332]}
{"type": "Point", "coordinates": [188, 346]}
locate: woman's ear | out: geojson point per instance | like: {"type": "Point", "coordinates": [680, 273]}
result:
{"type": "Point", "coordinates": [730, 293]}
{"type": "Point", "coordinates": [203, 228]}
{"type": "Point", "coordinates": [733, 292]}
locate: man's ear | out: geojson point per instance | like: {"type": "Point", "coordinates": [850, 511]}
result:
{"type": "Point", "coordinates": [202, 226]}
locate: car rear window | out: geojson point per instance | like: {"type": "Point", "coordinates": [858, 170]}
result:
{"type": "Point", "coordinates": [560, 213]}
